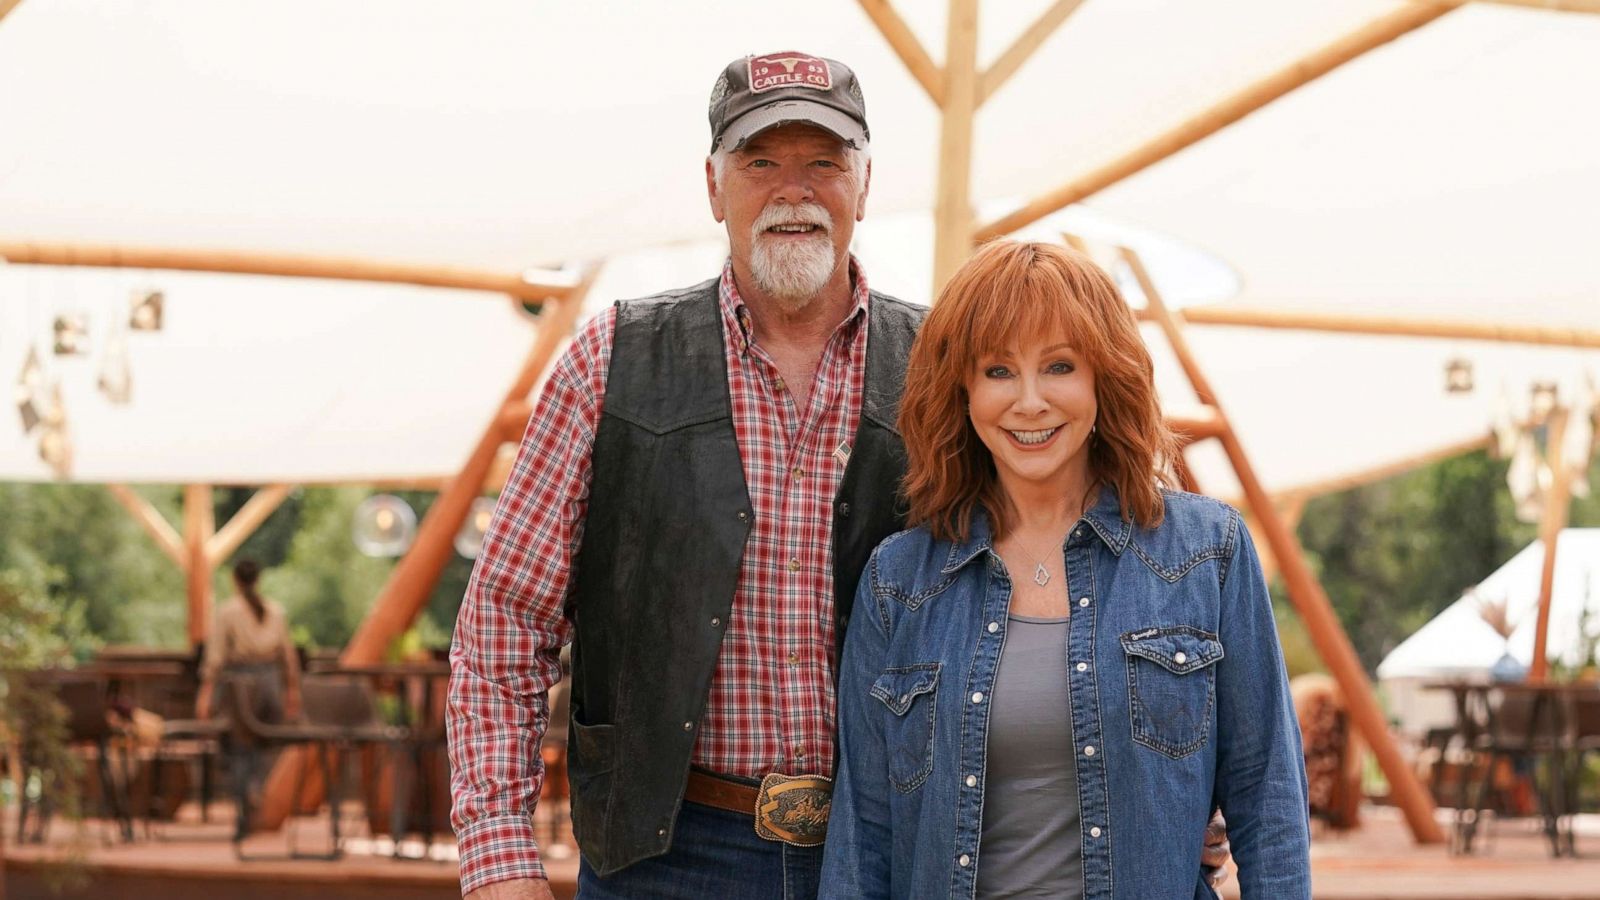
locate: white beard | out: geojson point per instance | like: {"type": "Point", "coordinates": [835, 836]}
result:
{"type": "Point", "coordinates": [792, 271]}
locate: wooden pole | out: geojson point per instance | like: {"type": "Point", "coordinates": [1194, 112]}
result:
{"type": "Point", "coordinates": [1332, 644]}
{"type": "Point", "coordinates": [245, 522]}
{"type": "Point", "coordinates": [1023, 47]}
{"type": "Point", "coordinates": [199, 521]}
{"type": "Point", "coordinates": [903, 41]}
{"type": "Point", "coordinates": [1389, 326]}
{"type": "Point", "coordinates": [1577, 6]}
{"type": "Point", "coordinates": [248, 263]}
{"type": "Point", "coordinates": [404, 595]}
{"type": "Point", "coordinates": [153, 523]}
{"type": "Point", "coordinates": [1374, 34]}
{"type": "Point", "coordinates": [1550, 525]}
{"type": "Point", "coordinates": [952, 211]}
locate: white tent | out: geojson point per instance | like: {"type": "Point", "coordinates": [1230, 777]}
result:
{"type": "Point", "coordinates": [1459, 643]}
{"type": "Point", "coordinates": [1450, 173]}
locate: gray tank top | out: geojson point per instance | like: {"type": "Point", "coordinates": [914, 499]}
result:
{"type": "Point", "coordinates": [1031, 844]}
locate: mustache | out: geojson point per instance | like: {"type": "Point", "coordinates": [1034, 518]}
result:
{"type": "Point", "coordinates": [793, 214]}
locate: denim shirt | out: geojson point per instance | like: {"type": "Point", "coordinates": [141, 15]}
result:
{"type": "Point", "coordinates": [1179, 699]}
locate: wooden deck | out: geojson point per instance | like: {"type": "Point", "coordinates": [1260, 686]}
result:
{"type": "Point", "coordinates": [192, 861]}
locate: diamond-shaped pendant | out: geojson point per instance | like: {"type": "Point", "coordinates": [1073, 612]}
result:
{"type": "Point", "coordinates": [1041, 575]}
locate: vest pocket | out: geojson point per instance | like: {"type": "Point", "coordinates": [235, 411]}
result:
{"type": "Point", "coordinates": [1171, 687]}
{"type": "Point", "coordinates": [909, 693]}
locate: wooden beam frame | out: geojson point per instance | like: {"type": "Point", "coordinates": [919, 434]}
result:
{"type": "Point", "coordinates": [153, 523]}
{"type": "Point", "coordinates": [1572, 6]}
{"type": "Point", "coordinates": [1023, 47]}
{"type": "Point", "coordinates": [1312, 603]}
{"type": "Point", "coordinates": [1390, 326]}
{"type": "Point", "coordinates": [6, 6]}
{"type": "Point", "coordinates": [199, 524]}
{"type": "Point", "coordinates": [903, 41]}
{"type": "Point", "coordinates": [1297, 74]}
{"type": "Point", "coordinates": [1556, 501]}
{"type": "Point", "coordinates": [241, 262]}
{"type": "Point", "coordinates": [952, 209]}
{"type": "Point", "coordinates": [244, 522]}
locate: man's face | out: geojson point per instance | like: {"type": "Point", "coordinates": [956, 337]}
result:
{"type": "Point", "coordinates": [790, 201]}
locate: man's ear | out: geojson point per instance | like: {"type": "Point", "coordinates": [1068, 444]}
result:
{"type": "Point", "coordinates": [861, 201]}
{"type": "Point", "coordinates": [712, 193]}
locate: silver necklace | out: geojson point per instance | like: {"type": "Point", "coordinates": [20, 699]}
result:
{"type": "Point", "coordinates": [1041, 575]}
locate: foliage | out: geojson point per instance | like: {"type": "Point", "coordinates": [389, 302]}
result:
{"type": "Point", "coordinates": [1392, 554]}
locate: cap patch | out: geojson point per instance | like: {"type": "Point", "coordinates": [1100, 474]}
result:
{"type": "Point", "coordinates": [781, 70]}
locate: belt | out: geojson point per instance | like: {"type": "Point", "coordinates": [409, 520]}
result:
{"type": "Point", "coordinates": [789, 808]}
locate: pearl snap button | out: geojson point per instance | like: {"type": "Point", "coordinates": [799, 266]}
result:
{"type": "Point", "coordinates": [1083, 667]}
{"type": "Point", "coordinates": [688, 726]}
{"type": "Point", "coordinates": [1083, 601]}
{"type": "Point", "coordinates": [1089, 750]}
{"type": "Point", "coordinates": [972, 781]}
{"type": "Point", "coordinates": [977, 696]}
{"type": "Point", "coordinates": [965, 860]}
{"type": "Point", "coordinates": [1180, 657]}
{"type": "Point", "coordinates": [993, 627]}
{"type": "Point", "coordinates": [1095, 831]}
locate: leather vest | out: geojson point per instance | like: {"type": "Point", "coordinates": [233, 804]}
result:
{"type": "Point", "coordinates": [667, 521]}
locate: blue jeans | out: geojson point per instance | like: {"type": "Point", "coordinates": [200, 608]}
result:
{"type": "Point", "coordinates": [714, 853]}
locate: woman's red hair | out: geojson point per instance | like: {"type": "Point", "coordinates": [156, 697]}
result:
{"type": "Point", "coordinates": [1007, 290]}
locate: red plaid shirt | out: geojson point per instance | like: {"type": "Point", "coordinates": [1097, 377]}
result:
{"type": "Point", "coordinates": [772, 703]}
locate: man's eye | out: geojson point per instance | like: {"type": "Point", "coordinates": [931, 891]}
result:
{"type": "Point", "coordinates": [760, 163]}
{"type": "Point", "coordinates": [826, 164]}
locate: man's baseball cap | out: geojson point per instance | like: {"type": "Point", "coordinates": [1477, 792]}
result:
{"type": "Point", "coordinates": [759, 92]}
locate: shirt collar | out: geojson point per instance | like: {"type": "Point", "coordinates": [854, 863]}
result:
{"type": "Point", "coordinates": [1105, 517]}
{"type": "Point", "coordinates": [737, 316]}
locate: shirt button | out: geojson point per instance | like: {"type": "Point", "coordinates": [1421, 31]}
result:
{"type": "Point", "coordinates": [778, 384]}
{"type": "Point", "coordinates": [799, 751]}
{"type": "Point", "coordinates": [743, 515]}
{"type": "Point", "coordinates": [965, 860]}
{"type": "Point", "coordinates": [661, 833]}
{"type": "Point", "coordinates": [1180, 658]}
{"type": "Point", "coordinates": [794, 564]}
{"type": "Point", "coordinates": [1083, 667]}
{"type": "Point", "coordinates": [716, 621]}
{"type": "Point", "coordinates": [977, 696]}
{"type": "Point", "coordinates": [844, 510]}
{"type": "Point", "coordinates": [1083, 601]}
{"type": "Point", "coordinates": [993, 627]}
{"type": "Point", "coordinates": [688, 726]}
{"type": "Point", "coordinates": [972, 781]}
{"type": "Point", "coordinates": [1077, 532]}
{"type": "Point", "coordinates": [1089, 750]}
{"type": "Point", "coordinates": [799, 473]}
{"type": "Point", "coordinates": [794, 659]}
{"type": "Point", "coordinates": [1095, 831]}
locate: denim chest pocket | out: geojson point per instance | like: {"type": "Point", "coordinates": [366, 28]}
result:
{"type": "Point", "coordinates": [908, 692]}
{"type": "Point", "coordinates": [1172, 677]}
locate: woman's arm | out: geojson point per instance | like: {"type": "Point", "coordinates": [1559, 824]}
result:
{"type": "Point", "coordinates": [1261, 779]}
{"type": "Point", "coordinates": [856, 860]}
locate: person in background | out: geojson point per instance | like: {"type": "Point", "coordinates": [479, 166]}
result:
{"type": "Point", "coordinates": [249, 640]}
{"type": "Point", "coordinates": [1052, 680]}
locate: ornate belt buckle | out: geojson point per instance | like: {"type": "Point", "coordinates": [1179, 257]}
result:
{"type": "Point", "coordinates": [794, 809]}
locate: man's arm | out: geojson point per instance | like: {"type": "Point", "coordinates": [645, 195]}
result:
{"type": "Point", "coordinates": [512, 625]}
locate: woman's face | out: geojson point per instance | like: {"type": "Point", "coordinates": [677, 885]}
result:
{"type": "Point", "coordinates": [1032, 405]}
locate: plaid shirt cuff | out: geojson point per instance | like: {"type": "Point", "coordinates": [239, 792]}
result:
{"type": "Point", "coordinates": [499, 848]}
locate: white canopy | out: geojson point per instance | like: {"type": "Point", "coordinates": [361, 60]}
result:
{"type": "Point", "coordinates": [1459, 644]}
{"type": "Point", "coordinates": [1451, 173]}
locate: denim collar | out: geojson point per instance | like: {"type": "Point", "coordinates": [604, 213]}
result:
{"type": "Point", "coordinates": [1105, 517]}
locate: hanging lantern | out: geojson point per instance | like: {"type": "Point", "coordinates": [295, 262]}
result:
{"type": "Point", "coordinates": [384, 526]}
{"type": "Point", "coordinates": [1458, 376]}
{"type": "Point", "coordinates": [55, 443]}
{"type": "Point", "coordinates": [469, 540]}
{"type": "Point", "coordinates": [30, 385]}
{"type": "Point", "coordinates": [116, 374]}
{"type": "Point", "coordinates": [72, 334]}
{"type": "Point", "coordinates": [145, 310]}
{"type": "Point", "coordinates": [1542, 401]}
